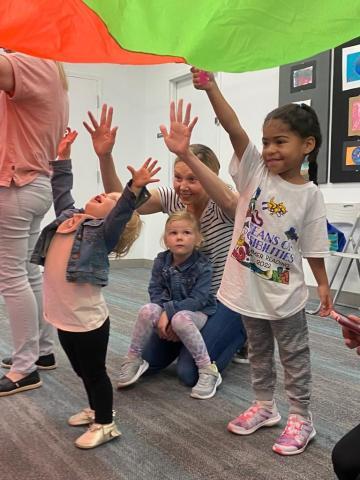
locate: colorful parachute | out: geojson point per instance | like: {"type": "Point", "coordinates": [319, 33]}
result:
{"type": "Point", "coordinates": [218, 35]}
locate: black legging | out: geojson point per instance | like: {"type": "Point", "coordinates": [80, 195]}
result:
{"type": "Point", "coordinates": [87, 354]}
{"type": "Point", "coordinates": [346, 456]}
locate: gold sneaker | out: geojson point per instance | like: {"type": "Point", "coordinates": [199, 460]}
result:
{"type": "Point", "coordinates": [84, 417]}
{"type": "Point", "coordinates": [97, 434]}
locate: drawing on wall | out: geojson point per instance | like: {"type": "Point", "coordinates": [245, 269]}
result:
{"type": "Point", "coordinates": [303, 76]}
{"type": "Point", "coordinates": [354, 116]}
{"type": "Point", "coordinates": [351, 67]}
{"type": "Point", "coordinates": [351, 156]}
{"type": "Point", "coordinates": [307, 102]}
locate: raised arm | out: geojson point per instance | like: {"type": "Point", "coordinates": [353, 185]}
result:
{"type": "Point", "coordinates": [133, 197]}
{"type": "Point", "coordinates": [7, 80]}
{"type": "Point", "coordinates": [178, 141]}
{"type": "Point", "coordinates": [103, 137]}
{"type": "Point", "coordinates": [62, 178]}
{"type": "Point", "coordinates": [226, 115]}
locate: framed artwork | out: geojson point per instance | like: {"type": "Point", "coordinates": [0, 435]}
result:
{"type": "Point", "coordinates": [303, 76]}
{"type": "Point", "coordinates": [307, 102]}
{"type": "Point", "coordinates": [351, 67]}
{"type": "Point", "coordinates": [354, 116]}
{"type": "Point", "coordinates": [351, 156]}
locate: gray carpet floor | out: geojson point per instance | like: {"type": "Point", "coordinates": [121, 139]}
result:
{"type": "Point", "coordinates": [167, 435]}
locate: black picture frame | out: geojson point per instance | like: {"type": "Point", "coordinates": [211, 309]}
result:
{"type": "Point", "coordinates": [348, 148]}
{"type": "Point", "coordinates": [340, 139]}
{"type": "Point", "coordinates": [303, 76]}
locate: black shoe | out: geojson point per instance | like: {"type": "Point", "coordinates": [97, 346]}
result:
{"type": "Point", "coordinates": [45, 362]}
{"type": "Point", "coordinates": [8, 387]}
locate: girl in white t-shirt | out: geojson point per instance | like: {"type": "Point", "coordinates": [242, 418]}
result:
{"type": "Point", "coordinates": [280, 218]}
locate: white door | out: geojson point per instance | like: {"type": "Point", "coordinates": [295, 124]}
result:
{"type": "Point", "coordinates": [83, 96]}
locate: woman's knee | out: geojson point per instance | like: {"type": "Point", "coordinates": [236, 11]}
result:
{"type": "Point", "coordinates": [187, 372]}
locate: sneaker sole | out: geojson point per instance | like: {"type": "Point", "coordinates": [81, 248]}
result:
{"type": "Point", "coordinates": [295, 452]}
{"type": "Point", "coordinates": [142, 369]}
{"type": "Point", "coordinates": [243, 361]}
{"type": "Point", "coordinates": [266, 423]}
{"type": "Point", "coordinates": [210, 395]}
{"type": "Point", "coordinates": [97, 444]}
{"type": "Point", "coordinates": [39, 367]}
{"type": "Point", "coordinates": [80, 423]}
{"type": "Point", "coordinates": [21, 389]}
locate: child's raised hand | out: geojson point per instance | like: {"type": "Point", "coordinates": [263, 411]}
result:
{"type": "Point", "coordinates": [145, 174]}
{"type": "Point", "coordinates": [64, 147]}
{"type": "Point", "coordinates": [102, 135]}
{"type": "Point", "coordinates": [178, 139]}
{"type": "Point", "coordinates": [202, 80]}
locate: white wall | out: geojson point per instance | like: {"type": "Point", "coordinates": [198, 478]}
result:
{"type": "Point", "coordinates": [140, 97]}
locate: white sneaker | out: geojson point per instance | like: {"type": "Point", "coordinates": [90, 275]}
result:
{"type": "Point", "coordinates": [97, 434]}
{"type": "Point", "coordinates": [130, 370]}
{"type": "Point", "coordinates": [209, 380]}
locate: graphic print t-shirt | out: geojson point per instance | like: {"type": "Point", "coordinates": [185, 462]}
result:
{"type": "Point", "coordinates": [277, 223]}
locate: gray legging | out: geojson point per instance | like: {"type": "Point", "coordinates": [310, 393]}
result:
{"type": "Point", "coordinates": [292, 337]}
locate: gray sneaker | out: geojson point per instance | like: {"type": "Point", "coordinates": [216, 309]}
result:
{"type": "Point", "coordinates": [209, 380]}
{"type": "Point", "coordinates": [130, 370]}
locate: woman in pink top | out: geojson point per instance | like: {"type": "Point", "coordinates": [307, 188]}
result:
{"type": "Point", "coordinates": [33, 118]}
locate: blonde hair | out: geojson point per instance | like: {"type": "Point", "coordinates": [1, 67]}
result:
{"type": "Point", "coordinates": [187, 217]}
{"type": "Point", "coordinates": [62, 74]}
{"type": "Point", "coordinates": [128, 236]}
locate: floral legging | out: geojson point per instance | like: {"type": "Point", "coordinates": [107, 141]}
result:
{"type": "Point", "coordinates": [185, 324]}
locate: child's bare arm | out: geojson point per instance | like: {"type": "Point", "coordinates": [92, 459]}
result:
{"type": "Point", "coordinates": [317, 266]}
{"type": "Point", "coordinates": [178, 142]}
{"type": "Point", "coordinates": [103, 137]}
{"type": "Point", "coordinates": [224, 112]}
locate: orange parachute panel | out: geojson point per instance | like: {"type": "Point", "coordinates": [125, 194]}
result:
{"type": "Point", "coordinates": [65, 30]}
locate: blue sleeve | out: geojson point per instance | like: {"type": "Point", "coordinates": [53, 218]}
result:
{"type": "Point", "coordinates": [116, 220]}
{"type": "Point", "coordinates": [156, 286]}
{"type": "Point", "coordinates": [62, 183]}
{"type": "Point", "coordinates": [198, 298]}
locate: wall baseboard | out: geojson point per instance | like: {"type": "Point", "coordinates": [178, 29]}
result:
{"type": "Point", "coordinates": [131, 263]}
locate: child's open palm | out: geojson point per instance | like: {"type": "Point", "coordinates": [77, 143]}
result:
{"type": "Point", "coordinates": [145, 174]}
{"type": "Point", "coordinates": [64, 147]}
{"type": "Point", "coordinates": [102, 135]}
{"type": "Point", "coordinates": [178, 139]}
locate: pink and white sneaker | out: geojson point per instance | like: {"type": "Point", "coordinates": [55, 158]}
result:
{"type": "Point", "coordinates": [255, 417]}
{"type": "Point", "coordinates": [297, 434]}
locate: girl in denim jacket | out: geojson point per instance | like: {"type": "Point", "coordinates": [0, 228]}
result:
{"type": "Point", "coordinates": [74, 251]}
{"type": "Point", "coordinates": [180, 305]}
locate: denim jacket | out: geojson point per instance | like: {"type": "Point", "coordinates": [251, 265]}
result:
{"type": "Point", "coordinates": [94, 238]}
{"type": "Point", "coordinates": [184, 287]}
